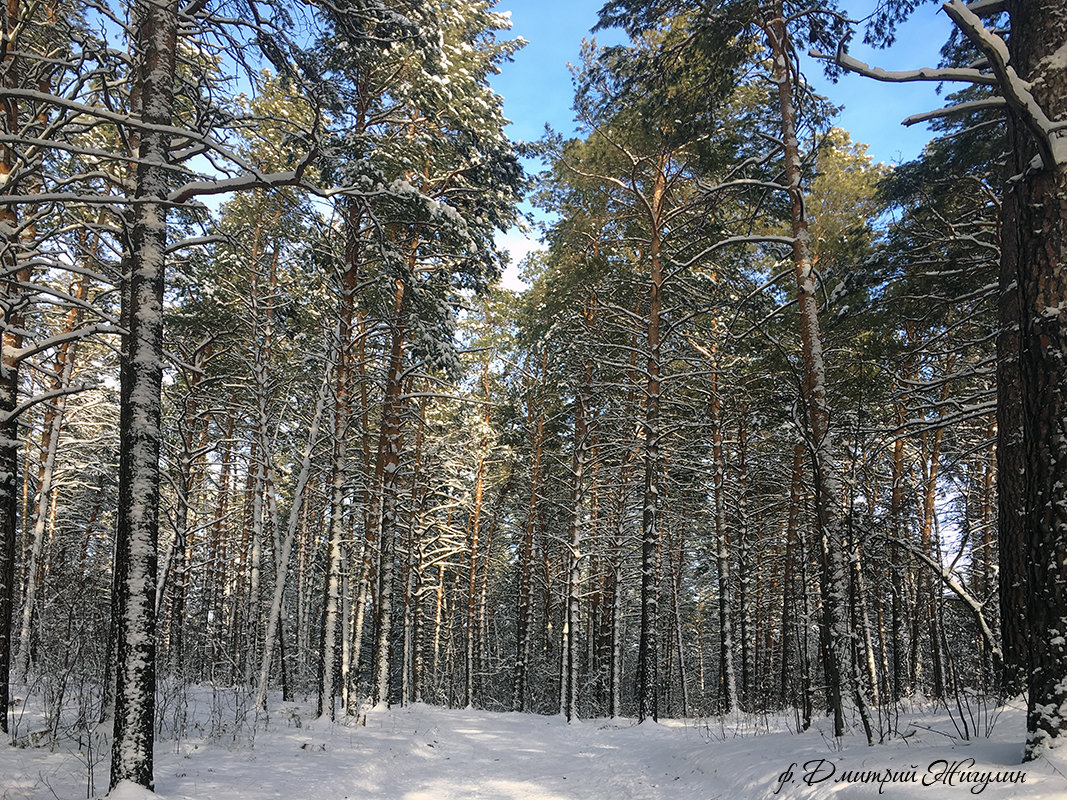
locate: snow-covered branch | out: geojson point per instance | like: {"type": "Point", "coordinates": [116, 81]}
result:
{"type": "Point", "coordinates": [43, 397]}
{"type": "Point", "coordinates": [732, 241]}
{"type": "Point", "coordinates": [936, 74]}
{"type": "Point", "coordinates": [959, 108]}
{"type": "Point", "coordinates": [1051, 143]}
{"type": "Point", "coordinates": [21, 354]}
{"type": "Point", "coordinates": [1014, 90]}
{"type": "Point", "coordinates": [949, 579]}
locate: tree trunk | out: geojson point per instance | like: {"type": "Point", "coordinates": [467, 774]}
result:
{"type": "Point", "coordinates": [14, 303]}
{"type": "Point", "coordinates": [52, 428]}
{"type": "Point", "coordinates": [1011, 469]}
{"type": "Point", "coordinates": [332, 617]}
{"type": "Point", "coordinates": [1034, 251]}
{"type": "Point", "coordinates": [284, 541]}
{"type": "Point", "coordinates": [727, 679]}
{"type": "Point", "coordinates": [524, 613]}
{"type": "Point", "coordinates": [568, 695]}
{"type": "Point", "coordinates": [141, 383]}
{"type": "Point", "coordinates": [389, 450]}
{"type": "Point", "coordinates": [898, 562]}
{"type": "Point", "coordinates": [744, 577]}
{"type": "Point", "coordinates": [471, 626]}
{"type": "Point", "coordinates": [840, 666]}
{"type": "Point", "coordinates": [647, 643]}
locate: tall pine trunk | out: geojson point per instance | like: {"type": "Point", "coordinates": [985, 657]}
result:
{"type": "Point", "coordinates": [727, 679]}
{"type": "Point", "coordinates": [470, 632]}
{"type": "Point", "coordinates": [14, 301]}
{"type": "Point", "coordinates": [839, 662]}
{"type": "Point", "coordinates": [524, 613]}
{"type": "Point", "coordinates": [1011, 470]}
{"type": "Point", "coordinates": [133, 599]}
{"type": "Point", "coordinates": [389, 453]}
{"type": "Point", "coordinates": [52, 428]}
{"type": "Point", "coordinates": [333, 618]}
{"type": "Point", "coordinates": [568, 695]}
{"type": "Point", "coordinates": [1034, 250]}
{"type": "Point", "coordinates": [647, 643]}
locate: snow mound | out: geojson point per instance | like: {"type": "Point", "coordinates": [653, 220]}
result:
{"type": "Point", "coordinates": [128, 790]}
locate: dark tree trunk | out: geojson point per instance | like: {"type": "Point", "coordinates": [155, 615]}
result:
{"type": "Point", "coordinates": [568, 695]}
{"type": "Point", "coordinates": [389, 448]}
{"type": "Point", "coordinates": [524, 613]}
{"type": "Point", "coordinates": [1011, 471]}
{"type": "Point", "coordinates": [9, 455]}
{"type": "Point", "coordinates": [142, 371]}
{"type": "Point", "coordinates": [12, 303]}
{"type": "Point", "coordinates": [1034, 250]}
{"type": "Point", "coordinates": [727, 679]}
{"type": "Point", "coordinates": [647, 645]}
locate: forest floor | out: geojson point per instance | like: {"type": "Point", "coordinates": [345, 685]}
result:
{"type": "Point", "coordinates": [428, 753]}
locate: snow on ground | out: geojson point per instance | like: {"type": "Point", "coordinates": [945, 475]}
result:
{"type": "Point", "coordinates": [428, 753]}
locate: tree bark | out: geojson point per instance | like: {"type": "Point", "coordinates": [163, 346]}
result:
{"type": "Point", "coordinates": [839, 662]}
{"type": "Point", "coordinates": [333, 618]}
{"type": "Point", "coordinates": [1011, 468]}
{"type": "Point", "coordinates": [14, 305]}
{"type": "Point", "coordinates": [52, 428]}
{"type": "Point", "coordinates": [647, 643]}
{"type": "Point", "coordinates": [1034, 250]}
{"type": "Point", "coordinates": [140, 415]}
{"type": "Point", "coordinates": [389, 450]}
{"type": "Point", "coordinates": [568, 695]}
{"type": "Point", "coordinates": [524, 612]}
{"type": "Point", "coordinates": [727, 679]}
{"type": "Point", "coordinates": [471, 623]}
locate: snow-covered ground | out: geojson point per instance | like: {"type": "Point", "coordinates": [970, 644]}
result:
{"type": "Point", "coordinates": [428, 753]}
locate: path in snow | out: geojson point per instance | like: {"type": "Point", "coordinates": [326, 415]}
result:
{"type": "Point", "coordinates": [425, 753]}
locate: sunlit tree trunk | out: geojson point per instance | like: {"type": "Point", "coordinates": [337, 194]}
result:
{"type": "Point", "coordinates": [839, 662]}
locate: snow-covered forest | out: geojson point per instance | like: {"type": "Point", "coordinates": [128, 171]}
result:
{"type": "Point", "coordinates": [771, 448]}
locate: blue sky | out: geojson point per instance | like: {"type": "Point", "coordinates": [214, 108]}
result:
{"type": "Point", "coordinates": [537, 86]}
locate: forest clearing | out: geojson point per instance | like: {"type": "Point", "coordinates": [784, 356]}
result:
{"type": "Point", "coordinates": [423, 752]}
{"type": "Point", "coordinates": [755, 457]}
